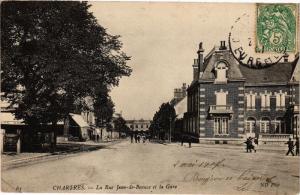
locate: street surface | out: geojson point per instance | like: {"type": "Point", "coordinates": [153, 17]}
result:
{"type": "Point", "coordinates": [159, 168]}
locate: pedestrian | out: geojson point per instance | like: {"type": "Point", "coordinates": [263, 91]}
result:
{"type": "Point", "coordinates": [297, 146]}
{"type": "Point", "coordinates": [248, 143]}
{"type": "Point", "coordinates": [138, 138]}
{"type": "Point", "coordinates": [182, 140]}
{"type": "Point", "coordinates": [135, 137]}
{"type": "Point", "coordinates": [252, 144]}
{"type": "Point", "coordinates": [190, 141]}
{"type": "Point", "coordinates": [131, 137]}
{"type": "Point", "coordinates": [290, 144]}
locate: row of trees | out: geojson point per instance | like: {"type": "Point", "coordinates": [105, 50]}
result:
{"type": "Point", "coordinates": [162, 121]}
{"type": "Point", "coordinates": [54, 54]}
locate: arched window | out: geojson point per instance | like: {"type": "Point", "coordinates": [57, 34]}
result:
{"type": "Point", "coordinates": [221, 72]}
{"type": "Point", "coordinates": [265, 125]}
{"type": "Point", "coordinates": [250, 125]}
{"type": "Point", "coordinates": [279, 125]}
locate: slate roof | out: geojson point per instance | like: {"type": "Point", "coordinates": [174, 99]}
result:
{"type": "Point", "coordinates": [278, 73]}
{"type": "Point", "coordinates": [233, 71]}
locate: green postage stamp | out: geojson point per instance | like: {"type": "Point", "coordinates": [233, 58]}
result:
{"type": "Point", "coordinates": [276, 28]}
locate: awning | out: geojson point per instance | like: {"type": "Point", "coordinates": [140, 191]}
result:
{"type": "Point", "coordinates": [79, 120]}
{"type": "Point", "coordinates": [8, 118]}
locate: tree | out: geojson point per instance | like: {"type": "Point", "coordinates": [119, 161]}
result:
{"type": "Point", "coordinates": [53, 55]}
{"type": "Point", "coordinates": [162, 120]}
{"type": "Point", "coordinates": [120, 125]}
{"type": "Point", "coordinates": [103, 107]}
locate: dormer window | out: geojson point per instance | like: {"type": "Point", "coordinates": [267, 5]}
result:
{"type": "Point", "coordinates": [221, 72]}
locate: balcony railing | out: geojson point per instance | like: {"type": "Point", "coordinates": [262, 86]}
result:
{"type": "Point", "coordinates": [275, 136]}
{"type": "Point", "coordinates": [219, 109]}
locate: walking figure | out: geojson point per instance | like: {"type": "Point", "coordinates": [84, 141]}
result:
{"type": "Point", "coordinates": [131, 137]}
{"type": "Point", "coordinates": [297, 146]}
{"type": "Point", "coordinates": [135, 137]}
{"type": "Point", "coordinates": [290, 144]}
{"type": "Point", "coordinates": [190, 141]}
{"type": "Point", "coordinates": [182, 137]}
{"type": "Point", "coordinates": [249, 145]}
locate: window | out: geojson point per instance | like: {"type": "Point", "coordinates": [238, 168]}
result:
{"type": "Point", "coordinates": [250, 125]}
{"type": "Point", "coordinates": [279, 125]}
{"type": "Point", "coordinates": [265, 100]}
{"type": "Point", "coordinates": [221, 125]}
{"type": "Point", "coordinates": [136, 126]}
{"type": "Point", "coordinates": [250, 101]}
{"type": "Point", "coordinates": [221, 72]}
{"type": "Point", "coordinates": [280, 100]}
{"type": "Point", "coordinates": [142, 126]}
{"type": "Point", "coordinates": [221, 98]}
{"type": "Point", "coordinates": [265, 125]}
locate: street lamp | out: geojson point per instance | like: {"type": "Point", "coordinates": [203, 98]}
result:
{"type": "Point", "coordinates": [170, 129]}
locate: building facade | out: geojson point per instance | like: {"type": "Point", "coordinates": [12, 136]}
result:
{"type": "Point", "coordinates": [138, 125]}
{"type": "Point", "coordinates": [228, 101]}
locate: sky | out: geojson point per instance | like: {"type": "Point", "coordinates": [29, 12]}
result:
{"type": "Point", "coordinates": [162, 40]}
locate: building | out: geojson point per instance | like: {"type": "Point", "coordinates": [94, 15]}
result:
{"type": "Point", "coordinates": [138, 125]}
{"type": "Point", "coordinates": [179, 94]}
{"type": "Point", "coordinates": [228, 101]}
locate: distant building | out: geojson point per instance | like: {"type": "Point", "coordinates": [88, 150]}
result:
{"type": "Point", "coordinates": [138, 125]}
{"type": "Point", "coordinates": [228, 101]}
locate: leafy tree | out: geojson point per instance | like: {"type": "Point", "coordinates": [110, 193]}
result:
{"type": "Point", "coordinates": [162, 120]}
{"type": "Point", "coordinates": [53, 55]}
{"type": "Point", "coordinates": [120, 125]}
{"type": "Point", "coordinates": [103, 107]}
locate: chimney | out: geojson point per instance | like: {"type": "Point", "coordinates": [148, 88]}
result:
{"type": "Point", "coordinates": [195, 70]}
{"type": "Point", "coordinates": [286, 57]}
{"type": "Point", "coordinates": [183, 90]}
{"type": "Point", "coordinates": [222, 46]}
{"type": "Point", "coordinates": [177, 93]}
{"type": "Point", "coordinates": [200, 60]}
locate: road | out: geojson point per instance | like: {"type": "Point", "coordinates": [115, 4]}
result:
{"type": "Point", "coordinates": [158, 168]}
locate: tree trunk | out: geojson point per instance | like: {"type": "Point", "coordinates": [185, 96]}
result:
{"type": "Point", "coordinates": [54, 138]}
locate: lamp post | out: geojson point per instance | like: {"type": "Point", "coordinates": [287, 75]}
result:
{"type": "Point", "coordinates": [170, 129]}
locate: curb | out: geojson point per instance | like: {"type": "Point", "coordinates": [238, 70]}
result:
{"type": "Point", "coordinates": [234, 147]}
{"type": "Point", "coordinates": [51, 156]}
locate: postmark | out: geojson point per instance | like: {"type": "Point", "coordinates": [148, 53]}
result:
{"type": "Point", "coordinates": [242, 45]}
{"type": "Point", "coordinates": [276, 27]}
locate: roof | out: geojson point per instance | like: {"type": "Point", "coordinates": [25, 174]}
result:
{"type": "Point", "coordinates": [9, 118]}
{"type": "Point", "coordinates": [79, 120]}
{"type": "Point", "coordinates": [225, 55]}
{"type": "Point", "coordinates": [276, 73]}
{"type": "Point", "coordinates": [181, 107]}
{"type": "Point", "coordinates": [279, 73]}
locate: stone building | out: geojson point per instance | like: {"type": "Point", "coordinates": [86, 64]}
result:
{"type": "Point", "coordinates": [228, 101]}
{"type": "Point", "coordinates": [138, 125]}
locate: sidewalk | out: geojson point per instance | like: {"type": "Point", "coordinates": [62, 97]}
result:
{"type": "Point", "coordinates": [264, 147]}
{"type": "Point", "coordinates": [64, 149]}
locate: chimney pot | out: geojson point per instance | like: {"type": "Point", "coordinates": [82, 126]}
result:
{"type": "Point", "coordinates": [222, 45]}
